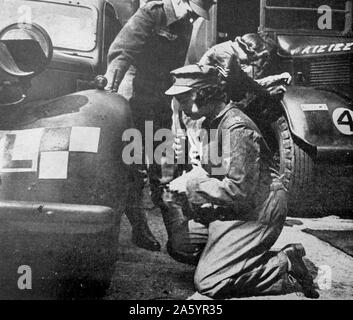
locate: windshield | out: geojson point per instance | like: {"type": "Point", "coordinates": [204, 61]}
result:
{"type": "Point", "coordinates": [70, 27]}
{"type": "Point", "coordinates": [305, 15]}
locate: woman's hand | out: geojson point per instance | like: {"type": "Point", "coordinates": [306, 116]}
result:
{"type": "Point", "coordinates": [277, 90]}
{"type": "Point", "coordinates": [286, 78]}
{"type": "Point", "coordinates": [178, 185]}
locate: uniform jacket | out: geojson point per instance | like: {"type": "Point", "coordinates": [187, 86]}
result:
{"type": "Point", "coordinates": [246, 175]}
{"type": "Point", "coordinates": [155, 42]}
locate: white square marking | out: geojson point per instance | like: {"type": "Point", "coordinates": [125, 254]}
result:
{"type": "Point", "coordinates": [26, 147]}
{"type": "Point", "coordinates": [84, 139]}
{"type": "Point", "coordinates": [53, 165]}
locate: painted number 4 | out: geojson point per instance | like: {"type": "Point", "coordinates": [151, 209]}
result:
{"type": "Point", "coordinates": [343, 120]}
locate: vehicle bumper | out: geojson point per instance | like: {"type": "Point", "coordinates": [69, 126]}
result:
{"type": "Point", "coordinates": [341, 155]}
{"type": "Point", "coordinates": [71, 249]}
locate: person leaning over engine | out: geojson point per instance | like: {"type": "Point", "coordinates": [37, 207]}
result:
{"type": "Point", "coordinates": [152, 43]}
{"type": "Point", "coordinates": [243, 62]}
{"type": "Point", "coordinates": [226, 214]}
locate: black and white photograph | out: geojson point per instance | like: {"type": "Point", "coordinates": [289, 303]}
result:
{"type": "Point", "coordinates": [193, 151]}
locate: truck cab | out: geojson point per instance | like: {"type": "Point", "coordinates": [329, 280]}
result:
{"type": "Point", "coordinates": [81, 33]}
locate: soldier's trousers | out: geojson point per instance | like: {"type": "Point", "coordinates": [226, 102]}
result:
{"type": "Point", "coordinates": [149, 106]}
{"type": "Point", "coordinates": [233, 257]}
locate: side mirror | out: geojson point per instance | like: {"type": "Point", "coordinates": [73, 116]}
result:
{"type": "Point", "coordinates": [25, 51]}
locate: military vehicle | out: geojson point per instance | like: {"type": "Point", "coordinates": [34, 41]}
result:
{"type": "Point", "coordinates": [81, 33]}
{"type": "Point", "coordinates": [313, 132]}
{"type": "Point", "coordinates": [63, 181]}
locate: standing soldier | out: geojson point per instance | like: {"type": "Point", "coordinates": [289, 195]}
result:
{"type": "Point", "coordinates": [151, 44]}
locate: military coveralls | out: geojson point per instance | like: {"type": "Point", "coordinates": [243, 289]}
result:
{"type": "Point", "coordinates": [230, 241]}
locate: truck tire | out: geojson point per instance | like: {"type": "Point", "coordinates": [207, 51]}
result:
{"type": "Point", "coordinates": [297, 168]}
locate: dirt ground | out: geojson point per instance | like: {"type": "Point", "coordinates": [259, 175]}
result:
{"type": "Point", "coordinates": [144, 275]}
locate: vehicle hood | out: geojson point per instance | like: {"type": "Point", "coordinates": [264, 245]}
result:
{"type": "Point", "coordinates": [308, 46]}
{"type": "Point", "coordinates": [344, 92]}
{"type": "Point", "coordinates": [313, 115]}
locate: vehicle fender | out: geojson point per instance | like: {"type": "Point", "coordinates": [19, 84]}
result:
{"type": "Point", "coordinates": [64, 187]}
{"type": "Point", "coordinates": [313, 116]}
{"type": "Point", "coordinates": [66, 150]}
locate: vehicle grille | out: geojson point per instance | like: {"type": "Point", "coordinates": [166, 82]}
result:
{"type": "Point", "coordinates": [331, 71]}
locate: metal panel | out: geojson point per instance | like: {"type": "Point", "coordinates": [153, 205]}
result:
{"type": "Point", "coordinates": [335, 71]}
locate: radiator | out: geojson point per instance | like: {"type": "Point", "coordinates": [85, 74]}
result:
{"type": "Point", "coordinates": [331, 71]}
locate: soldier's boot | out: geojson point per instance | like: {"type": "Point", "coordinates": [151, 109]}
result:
{"type": "Point", "coordinates": [142, 235]}
{"type": "Point", "coordinates": [298, 270]}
